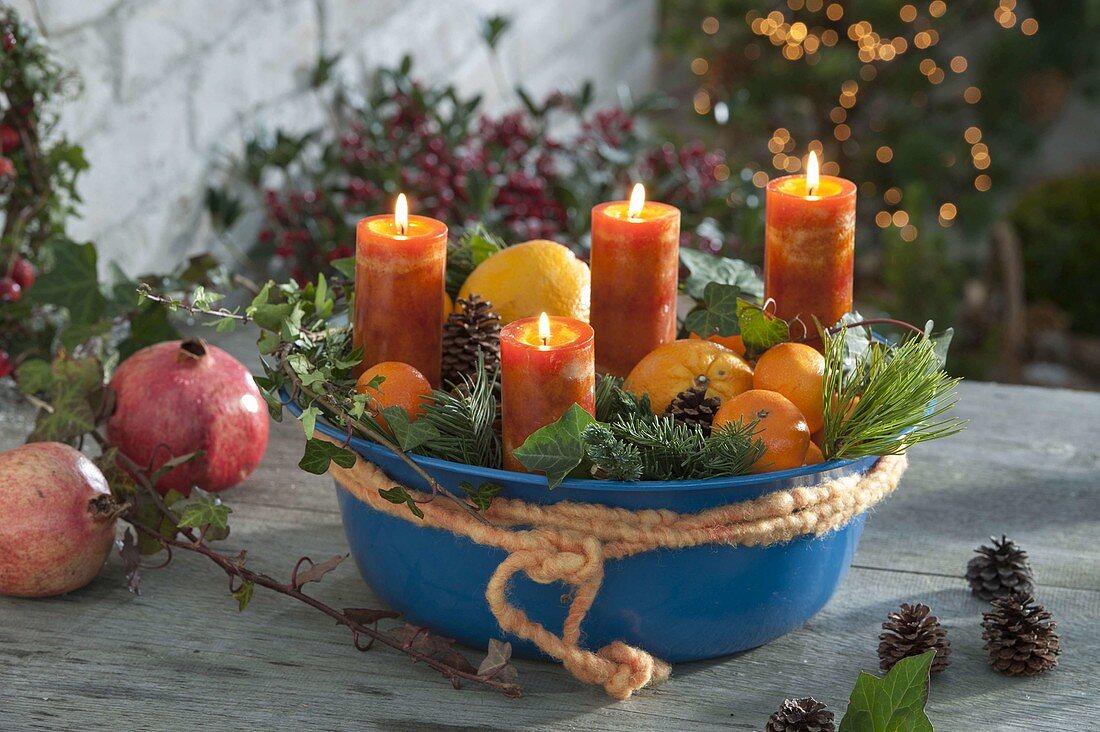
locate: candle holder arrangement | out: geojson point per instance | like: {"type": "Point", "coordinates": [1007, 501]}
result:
{"type": "Point", "coordinates": [616, 487]}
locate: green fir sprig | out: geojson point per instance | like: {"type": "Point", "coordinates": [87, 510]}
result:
{"type": "Point", "coordinates": [465, 421]}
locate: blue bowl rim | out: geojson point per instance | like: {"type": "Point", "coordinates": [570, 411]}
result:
{"type": "Point", "coordinates": [367, 447]}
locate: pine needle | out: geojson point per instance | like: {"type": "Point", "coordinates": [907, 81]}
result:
{"type": "Point", "coordinates": [466, 419]}
{"type": "Point", "coordinates": [894, 398]}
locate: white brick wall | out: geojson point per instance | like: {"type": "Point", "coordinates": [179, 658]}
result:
{"type": "Point", "coordinates": [171, 86]}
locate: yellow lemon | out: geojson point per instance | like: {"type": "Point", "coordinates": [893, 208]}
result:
{"type": "Point", "coordinates": [674, 367]}
{"type": "Point", "coordinates": [531, 278]}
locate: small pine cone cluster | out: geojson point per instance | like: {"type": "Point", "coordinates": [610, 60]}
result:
{"type": "Point", "coordinates": [472, 329]}
{"type": "Point", "coordinates": [999, 570]}
{"type": "Point", "coordinates": [801, 715]}
{"type": "Point", "coordinates": [910, 632]}
{"type": "Point", "coordinates": [693, 407]}
{"type": "Point", "coordinates": [1020, 636]}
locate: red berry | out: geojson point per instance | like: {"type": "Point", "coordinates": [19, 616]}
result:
{"type": "Point", "coordinates": [23, 273]}
{"type": "Point", "coordinates": [9, 138]}
{"type": "Point", "coordinates": [8, 41]}
{"type": "Point", "coordinates": [6, 167]}
{"type": "Point", "coordinates": [5, 364]}
{"type": "Point", "coordinates": [10, 291]}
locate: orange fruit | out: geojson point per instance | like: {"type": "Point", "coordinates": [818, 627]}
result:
{"type": "Point", "coordinates": [818, 437]}
{"type": "Point", "coordinates": [532, 278]}
{"type": "Point", "coordinates": [448, 307]}
{"type": "Point", "coordinates": [780, 426]}
{"type": "Point", "coordinates": [796, 371]}
{"type": "Point", "coordinates": [670, 369]}
{"type": "Point", "coordinates": [813, 455]}
{"type": "Point", "coordinates": [402, 386]}
{"type": "Point", "coordinates": [733, 342]}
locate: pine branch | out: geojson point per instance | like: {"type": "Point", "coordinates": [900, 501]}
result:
{"type": "Point", "coordinates": [612, 458]}
{"type": "Point", "coordinates": [466, 419]}
{"type": "Point", "coordinates": [894, 398]}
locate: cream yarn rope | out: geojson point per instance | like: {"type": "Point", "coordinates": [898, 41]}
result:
{"type": "Point", "coordinates": [569, 542]}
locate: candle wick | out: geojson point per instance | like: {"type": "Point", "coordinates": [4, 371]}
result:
{"type": "Point", "coordinates": [811, 190]}
{"type": "Point", "coordinates": [546, 341]}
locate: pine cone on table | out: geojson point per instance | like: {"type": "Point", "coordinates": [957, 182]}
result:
{"type": "Point", "coordinates": [693, 407]}
{"type": "Point", "coordinates": [999, 570]}
{"type": "Point", "coordinates": [801, 715]}
{"type": "Point", "coordinates": [910, 632]}
{"type": "Point", "coordinates": [474, 327]}
{"type": "Point", "coordinates": [1020, 636]}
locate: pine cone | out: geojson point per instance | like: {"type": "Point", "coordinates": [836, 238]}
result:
{"type": "Point", "coordinates": [1019, 635]}
{"type": "Point", "coordinates": [692, 406]}
{"type": "Point", "coordinates": [801, 715]}
{"type": "Point", "coordinates": [472, 328]}
{"type": "Point", "coordinates": [999, 570]}
{"type": "Point", "coordinates": [911, 632]}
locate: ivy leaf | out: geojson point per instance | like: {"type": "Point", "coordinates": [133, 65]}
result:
{"type": "Point", "coordinates": [316, 572]}
{"type": "Point", "coordinates": [558, 448]}
{"type": "Point", "coordinates": [243, 595]}
{"type": "Point", "coordinates": [398, 494]}
{"type": "Point", "coordinates": [206, 511]}
{"type": "Point", "coordinates": [131, 561]}
{"type": "Point", "coordinates": [75, 395]}
{"type": "Point", "coordinates": [482, 496]}
{"type": "Point", "coordinates": [34, 377]}
{"type": "Point", "coordinates": [319, 453]}
{"type": "Point", "coordinates": [345, 267]}
{"type": "Point", "coordinates": [705, 268]}
{"type": "Point", "coordinates": [894, 703]}
{"type": "Point", "coordinates": [409, 435]}
{"type": "Point", "coordinates": [759, 330]}
{"type": "Point", "coordinates": [149, 514]}
{"type": "Point", "coordinates": [72, 282]}
{"type": "Point", "coordinates": [497, 662]}
{"type": "Point", "coordinates": [271, 317]}
{"type": "Point", "coordinates": [941, 342]}
{"type": "Point", "coordinates": [309, 420]}
{"type": "Point", "coordinates": [718, 313]}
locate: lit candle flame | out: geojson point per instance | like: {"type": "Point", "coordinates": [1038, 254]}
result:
{"type": "Point", "coordinates": [401, 213]}
{"type": "Point", "coordinates": [544, 329]}
{"type": "Point", "coordinates": [813, 176]}
{"type": "Point", "coordinates": [637, 201]}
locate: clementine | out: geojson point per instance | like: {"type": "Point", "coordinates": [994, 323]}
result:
{"type": "Point", "coordinates": [402, 386]}
{"type": "Point", "coordinates": [796, 371]}
{"type": "Point", "coordinates": [813, 455]}
{"type": "Point", "coordinates": [780, 426]}
{"type": "Point", "coordinates": [674, 367]}
{"type": "Point", "coordinates": [734, 342]}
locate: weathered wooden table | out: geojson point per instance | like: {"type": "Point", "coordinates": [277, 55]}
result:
{"type": "Point", "coordinates": [181, 657]}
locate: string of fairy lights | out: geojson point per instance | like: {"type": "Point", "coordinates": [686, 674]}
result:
{"type": "Point", "coordinates": [800, 42]}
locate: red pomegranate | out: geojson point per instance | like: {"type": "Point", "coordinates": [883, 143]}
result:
{"type": "Point", "coordinates": [58, 520]}
{"type": "Point", "coordinates": [178, 397]}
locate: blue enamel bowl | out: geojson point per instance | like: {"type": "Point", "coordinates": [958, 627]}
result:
{"type": "Point", "coordinates": [680, 605]}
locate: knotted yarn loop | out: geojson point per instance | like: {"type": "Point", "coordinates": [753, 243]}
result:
{"type": "Point", "coordinates": [570, 542]}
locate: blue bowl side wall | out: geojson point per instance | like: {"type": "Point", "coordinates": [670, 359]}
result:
{"type": "Point", "coordinates": [680, 605]}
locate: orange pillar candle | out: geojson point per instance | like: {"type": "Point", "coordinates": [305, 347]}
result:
{"type": "Point", "coordinates": [399, 266]}
{"type": "Point", "coordinates": [547, 366]}
{"type": "Point", "coordinates": [635, 276]}
{"type": "Point", "coordinates": [809, 246]}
